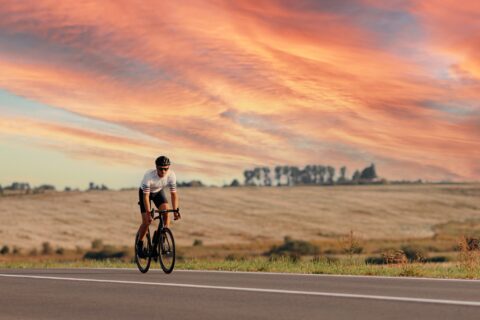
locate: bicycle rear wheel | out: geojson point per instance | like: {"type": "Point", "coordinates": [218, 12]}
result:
{"type": "Point", "coordinates": [166, 249]}
{"type": "Point", "coordinates": [143, 258]}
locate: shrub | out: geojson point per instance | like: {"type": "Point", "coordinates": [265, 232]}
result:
{"type": "Point", "coordinates": [197, 243]}
{"type": "Point", "coordinates": [394, 256]}
{"type": "Point", "coordinates": [375, 260]}
{"type": "Point", "coordinates": [33, 252]}
{"type": "Point", "coordinates": [47, 248]}
{"type": "Point", "coordinates": [293, 248]}
{"type": "Point", "coordinates": [438, 259]}
{"type": "Point", "coordinates": [97, 244]}
{"type": "Point", "coordinates": [16, 250]}
{"type": "Point", "coordinates": [5, 250]}
{"type": "Point", "coordinates": [333, 251]}
{"type": "Point", "coordinates": [60, 251]}
{"type": "Point", "coordinates": [351, 245]}
{"type": "Point", "coordinates": [469, 258]}
{"type": "Point", "coordinates": [414, 253]}
{"type": "Point", "coordinates": [234, 257]}
{"type": "Point", "coordinates": [107, 252]}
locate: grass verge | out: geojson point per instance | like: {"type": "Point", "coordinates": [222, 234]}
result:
{"type": "Point", "coordinates": [282, 264]}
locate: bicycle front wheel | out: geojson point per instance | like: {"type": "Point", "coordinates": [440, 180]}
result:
{"type": "Point", "coordinates": [143, 257]}
{"type": "Point", "coordinates": [166, 249]}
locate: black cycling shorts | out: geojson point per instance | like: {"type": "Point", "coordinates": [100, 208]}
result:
{"type": "Point", "coordinates": [158, 198]}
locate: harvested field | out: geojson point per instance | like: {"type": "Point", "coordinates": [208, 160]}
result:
{"type": "Point", "coordinates": [240, 215]}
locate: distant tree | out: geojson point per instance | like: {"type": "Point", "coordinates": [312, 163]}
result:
{"type": "Point", "coordinates": [44, 188]}
{"type": "Point", "coordinates": [278, 175]}
{"type": "Point", "coordinates": [258, 176]}
{"type": "Point", "coordinates": [286, 173]}
{"type": "Point", "coordinates": [267, 181]}
{"type": "Point", "coordinates": [314, 174]}
{"type": "Point", "coordinates": [331, 174]}
{"type": "Point", "coordinates": [356, 176]}
{"type": "Point", "coordinates": [295, 174]}
{"type": "Point", "coordinates": [235, 183]}
{"type": "Point", "coordinates": [321, 172]}
{"type": "Point", "coordinates": [342, 178]}
{"type": "Point", "coordinates": [249, 175]}
{"type": "Point", "coordinates": [306, 175]}
{"type": "Point", "coordinates": [369, 173]}
{"type": "Point", "coordinates": [19, 186]}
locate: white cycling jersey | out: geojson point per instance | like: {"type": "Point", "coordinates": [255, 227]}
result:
{"type": "Point", "coordinates": [152, 183]}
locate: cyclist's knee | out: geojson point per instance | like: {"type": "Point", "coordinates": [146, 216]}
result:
{"type": "Point", "coordinates": [145, 221]}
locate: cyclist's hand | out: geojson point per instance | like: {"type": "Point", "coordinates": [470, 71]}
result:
{"type": "Point", "coordinates": [176, 215]}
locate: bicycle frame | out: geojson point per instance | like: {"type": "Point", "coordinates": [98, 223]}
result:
{"type": "Point", "coordinates": [161, 222]}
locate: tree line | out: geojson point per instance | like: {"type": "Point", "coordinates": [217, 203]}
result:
{"type": "Point", "coordinates": [309, 175]}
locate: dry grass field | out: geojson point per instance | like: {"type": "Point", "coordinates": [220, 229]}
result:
{"type": "Point", "coordinates": [240, 215]}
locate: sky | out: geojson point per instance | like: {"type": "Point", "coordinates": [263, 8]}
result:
{"type": "Point", "coordinates": [96, 90]}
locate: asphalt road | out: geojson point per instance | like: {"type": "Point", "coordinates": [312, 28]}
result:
{"type": "Point", "coordinates": [128, 294]}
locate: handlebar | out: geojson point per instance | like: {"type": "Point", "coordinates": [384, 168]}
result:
{"type": "Point", "coordinates": [153, 211]}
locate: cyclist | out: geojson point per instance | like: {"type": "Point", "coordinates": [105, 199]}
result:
{"type": "Point", "coordinates": [152, 189]}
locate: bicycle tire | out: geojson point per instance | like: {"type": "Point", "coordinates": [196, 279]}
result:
{"type": "Point", "coordinates": [166, 250]}
{"type": "Point", "coordinates": [143, 263]}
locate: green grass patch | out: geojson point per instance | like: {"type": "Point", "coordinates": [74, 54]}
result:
{"type": "Point", "coordinates": [282, 264]}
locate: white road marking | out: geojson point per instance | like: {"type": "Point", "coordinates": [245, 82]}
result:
{"type": "Point", "coordinates": [295, 292]}
{"type": "Point", "coordinates": [325, 275]}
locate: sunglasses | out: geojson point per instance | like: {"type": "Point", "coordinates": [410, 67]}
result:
{"type": "Point", "coordinates": [162, 168]}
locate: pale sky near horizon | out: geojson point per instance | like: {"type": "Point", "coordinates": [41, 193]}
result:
{"type": "Point", "coordinates": [95, 90]}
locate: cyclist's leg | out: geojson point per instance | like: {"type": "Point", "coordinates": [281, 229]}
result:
{"type": "Point", "coordinates": [161, 202]}
{"type": "Point", "coordinates": [142, 230]}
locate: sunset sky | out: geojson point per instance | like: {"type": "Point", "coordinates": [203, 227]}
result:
{"type": "Point", "coordinates": [96, 90]}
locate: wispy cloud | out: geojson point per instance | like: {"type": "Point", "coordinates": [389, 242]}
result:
{"type": "Point", "coordinates": [235, 84]}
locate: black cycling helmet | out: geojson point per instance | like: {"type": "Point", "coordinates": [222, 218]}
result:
{"type": "Point", "coordinates": [162, 161]}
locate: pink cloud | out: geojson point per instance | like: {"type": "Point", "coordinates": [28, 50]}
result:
{"type": "Point", "coordinates": [255, 82]}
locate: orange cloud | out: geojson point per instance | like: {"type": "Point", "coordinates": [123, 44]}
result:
{"type": "Point", "coordinates": [231, 85]}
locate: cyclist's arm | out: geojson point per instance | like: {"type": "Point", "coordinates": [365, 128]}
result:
{"type": "Point", "coordinates": [146, 201]}
{"type": "Point", "coordinates": [172, 183]}
{"type": "Point", "coordinates": [174, 197]}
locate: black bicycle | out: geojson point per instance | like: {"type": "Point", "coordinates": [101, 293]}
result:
{"type": "Point", "coordinates": [161, 247]}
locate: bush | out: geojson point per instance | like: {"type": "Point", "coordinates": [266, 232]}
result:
{"type": "Point", "coordinates": [47, 248]}
{"type": "Point", "coordinates": [5, 250]}
{"type": "Point", "coordinates": [394, 256]}
{"type": "Point", "coordinates": [375, 260]}
{"type": "Point", "coordinates": [294, 249]}
{"type": "Point", "coordinates": [197, 243]}
{"type": "Point", "coordinates": [97, 244]}
{"type": "Point", "coordinates": [414, 253]}
{"type": "Point", "coordinates": [234, 257]}
{"type": "Point", "coordinates": [438, 259]}
{"type": "Point", "coordinates": [108, 252]}
{"type": "Point", "coordinates": [351, 245]}
{"type": "Point", "coordinates": [60, 251]}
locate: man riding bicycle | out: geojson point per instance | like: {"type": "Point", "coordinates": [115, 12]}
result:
{"type": "Point", "coordinates": [152, 189]}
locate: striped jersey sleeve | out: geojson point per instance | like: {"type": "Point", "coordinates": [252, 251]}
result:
{"type": "Point", "coordinates": [145, 185]}
{"type": "Point", "coordinates": [172, 182]}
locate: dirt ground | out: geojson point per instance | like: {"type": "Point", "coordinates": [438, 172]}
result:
{"type": "Point", "coordinates": [239, 215]}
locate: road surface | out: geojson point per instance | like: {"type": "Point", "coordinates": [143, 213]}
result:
{"type": "Point", "coordinates": [128, 294]}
